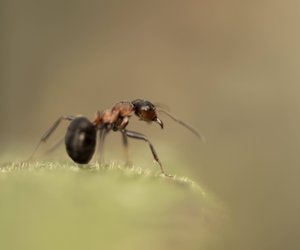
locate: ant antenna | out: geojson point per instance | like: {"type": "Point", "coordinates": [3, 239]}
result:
{"type": "Point", "coordinates": [194, 131]}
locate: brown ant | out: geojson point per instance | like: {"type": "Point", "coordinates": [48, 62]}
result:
{"type": "Point", "coordinates": [80, 139]}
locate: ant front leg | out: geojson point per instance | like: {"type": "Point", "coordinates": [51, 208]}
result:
{"type": "Point", "coordinates": [139, 136]}
{"type": "Point", "coordinates": [49, 131]}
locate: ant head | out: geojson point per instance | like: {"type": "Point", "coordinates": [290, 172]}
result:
{"type": "Point", "coordinates": [145, 110]}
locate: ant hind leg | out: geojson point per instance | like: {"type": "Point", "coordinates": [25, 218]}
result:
{"type": "Point", "coordinates": [49, 132]}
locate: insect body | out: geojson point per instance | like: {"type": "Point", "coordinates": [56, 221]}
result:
{"type": "Point", "coordinates": [81, 135]}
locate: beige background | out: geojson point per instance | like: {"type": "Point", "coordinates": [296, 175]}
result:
{"type": "Point", "coordinates": [229, 68]}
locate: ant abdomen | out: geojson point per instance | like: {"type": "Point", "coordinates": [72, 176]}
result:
{"type": "Point", "coordinates": [80, 140]}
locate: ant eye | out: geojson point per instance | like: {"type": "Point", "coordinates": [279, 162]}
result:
{"type": "Point", "coordinates": [145, 108]}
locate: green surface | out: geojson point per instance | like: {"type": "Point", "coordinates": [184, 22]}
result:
{"type": "Point", "coordinates": [47, 205]}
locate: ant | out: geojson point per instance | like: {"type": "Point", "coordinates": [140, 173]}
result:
{"type": "Point", "coordinates": [81, 136]}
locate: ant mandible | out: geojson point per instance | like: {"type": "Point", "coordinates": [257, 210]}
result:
{"type": "Point", "coordinates": [80, 139]}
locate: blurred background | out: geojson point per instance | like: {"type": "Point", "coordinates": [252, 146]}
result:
{"type": "Point", "coordinates": [228, 68]}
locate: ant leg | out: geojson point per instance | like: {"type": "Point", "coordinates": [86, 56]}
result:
{"type": "Point", "coordinates": [139, 136]}
{"type": "Point", "coordinates": [125, 144]}
{"type": "Point", "coordinates": [55, 146]}
{"type": "Point", "coordinates": [102, 134]}
{"type": "Point", "coordinates": [48, 133]}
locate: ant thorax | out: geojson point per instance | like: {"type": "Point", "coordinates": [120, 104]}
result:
{"type": "Point", "coordinates": [117, 116]}
{"type": "Point", "coordinates": [124, 108]}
